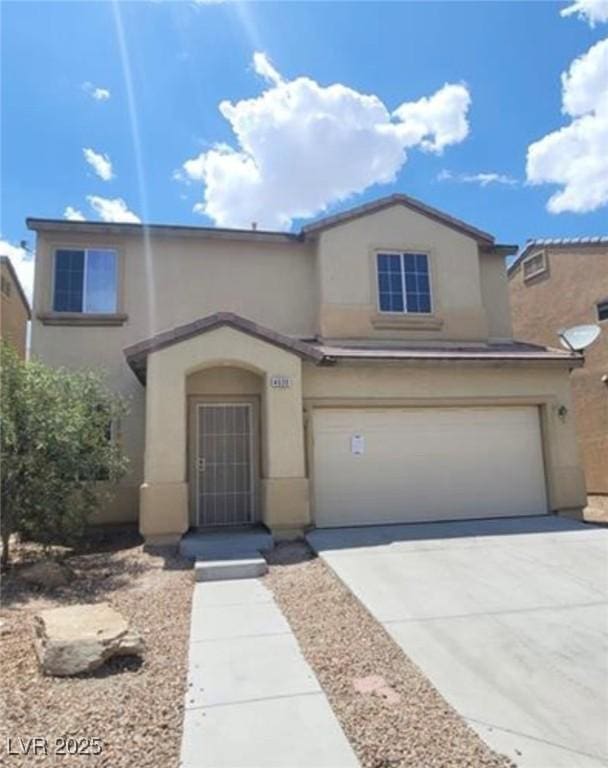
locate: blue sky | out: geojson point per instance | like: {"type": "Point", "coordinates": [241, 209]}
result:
{"type": "Point", "coordinates": [146, 107]}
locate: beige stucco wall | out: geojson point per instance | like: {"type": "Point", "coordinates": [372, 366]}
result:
{"type": "Point", "coordinates": [348, 288]}
{"type": "Point", "coordinates": [495, 296]}
{"type": "Point", "coordinates": [169, 281]}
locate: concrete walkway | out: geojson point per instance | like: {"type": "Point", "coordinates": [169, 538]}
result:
{"type": "Point", "coordinates": [507, 618]}
{"type": "Point", "coordinates": [252, 700]}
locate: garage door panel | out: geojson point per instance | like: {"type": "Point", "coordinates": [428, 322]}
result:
{"type": "Point", "coordinates": [427, 464]}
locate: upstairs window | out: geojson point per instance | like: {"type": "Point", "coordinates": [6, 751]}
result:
{"type": "Point", "coordinates": [534, 265]}
{"type": "Point", "coordinates": [85, 281]}
{"type": "Point", "coordinates": [403, 282]}
{"type": "Point", "coordinates": [6, 286]}
{"type": "Point", "coordinates": [602, 310]}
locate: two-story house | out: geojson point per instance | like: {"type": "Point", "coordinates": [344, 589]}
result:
{"type": "Point", "coordinates": [555, 284]}
{"type": "Point", "coordinates": [14, 308]}
{"type": "Point", "coordinates": [359, 371]}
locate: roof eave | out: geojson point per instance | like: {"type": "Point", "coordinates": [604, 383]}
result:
{"type": "Point", "coordinates": [163, 230]}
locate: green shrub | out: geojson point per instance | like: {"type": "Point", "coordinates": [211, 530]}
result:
{"type": "Point", "coordinates": [56, 444]}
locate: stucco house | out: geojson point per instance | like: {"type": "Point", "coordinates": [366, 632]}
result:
{"type": "Point", "coordinates": [14, 308]}
{"type": "Point", "coordinates": [546, 272]}
{"type": "Point", "coordinates": [362, 370]}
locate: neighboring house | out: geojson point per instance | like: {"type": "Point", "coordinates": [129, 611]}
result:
{"type": "Point", "coordinates": [555, 284]}
{"type": "Point", "coordinates": [14, 308]}
{"type": "Point", "coordinates": [359, 371]}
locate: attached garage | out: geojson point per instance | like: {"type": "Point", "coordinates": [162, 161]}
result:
{"type": "Point", "coordinates": [397, 465]}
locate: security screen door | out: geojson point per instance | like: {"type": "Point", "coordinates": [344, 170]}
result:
{"type": "Point", "coordinates": [224, 464]}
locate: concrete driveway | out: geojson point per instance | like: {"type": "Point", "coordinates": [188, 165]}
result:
{"type": "Point", "coordinates": [508, 618]}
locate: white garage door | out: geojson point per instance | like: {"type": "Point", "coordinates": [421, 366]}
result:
{"type": "Point", "coordinates": [398, 465]}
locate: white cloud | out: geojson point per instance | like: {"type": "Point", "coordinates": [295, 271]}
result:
{"type": "Point", "coordinates": [112, 209]}
{"type": "Point", "coordinates": [594, 11]}
{"type": "Point", "coordinates": [263, 66]}
{"type": "Point", "coordinates": [99, 94]}
{"type": "Point", "coordinates": [23, 262]}
{"type": "Point", "coordinates": [301, 146]}
{"type": "Point", "coordinates": [101, 164]}
{"type": "Point", "coordinates": [576, 156]}
{"type": "Point", "coordinates": [483, 179]}
{"type": "Point", "coordinates": [73, 214]}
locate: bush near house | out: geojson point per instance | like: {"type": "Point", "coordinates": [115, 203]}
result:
{"type": "Point", "coordinates": [56, 445]}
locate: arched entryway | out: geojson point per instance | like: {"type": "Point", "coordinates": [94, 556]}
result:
{"type": "Point", "coordinates": [230, 362]}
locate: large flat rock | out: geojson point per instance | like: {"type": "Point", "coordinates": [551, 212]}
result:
{"type": "Point", "coordinates": [80, 638]}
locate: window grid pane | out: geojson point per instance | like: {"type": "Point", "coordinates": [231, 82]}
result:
{"type": "Point", "coordinates": [417, 284]}
{"type": "Point", "coordinates": [100, 281]}
{"type": "Point", "coordinates": [69, 272]}
{"type": "Point", "coordinates": [390, 285]}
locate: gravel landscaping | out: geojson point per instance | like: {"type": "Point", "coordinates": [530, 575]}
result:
{"type": "Point", "coordinates": [134, 707]}
{"type": "Point", "coordinates": [390, 712]}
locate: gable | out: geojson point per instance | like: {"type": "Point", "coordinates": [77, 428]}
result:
{"type": "Point", "coordinates": [405, 202]}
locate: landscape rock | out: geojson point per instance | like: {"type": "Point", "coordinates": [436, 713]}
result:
{"type": "Point", "coordinates": [80, 638]}
{"type": "Point", "coordinates": [47, 573]}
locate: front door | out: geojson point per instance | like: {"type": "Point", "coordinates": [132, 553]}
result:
{"type": "Point", "coordinates": [224, 469]}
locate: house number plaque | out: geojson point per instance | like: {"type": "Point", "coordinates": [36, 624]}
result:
{"type": "Point", "coordinates": [280, 382]}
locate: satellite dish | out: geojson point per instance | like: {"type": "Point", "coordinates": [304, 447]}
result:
{"type": "Point", "coordinates": [579, 337]}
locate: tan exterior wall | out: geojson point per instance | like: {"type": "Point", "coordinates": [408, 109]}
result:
{"type": "Point", "coordinates": [13, 315]}
{"type": "Point", "coordinates": [170, 281]}
{"type": "Point", "coordinates": [348, 285]}
{"type": "Point", "coordinates": [495, 297]}
{"type": "Point", "coordinates": [564, 296]}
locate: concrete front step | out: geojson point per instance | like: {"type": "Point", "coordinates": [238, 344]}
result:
{"type": "Point", "coordinates": [230, 568]}
{"type": "Point", "coordinates": [215, 545]}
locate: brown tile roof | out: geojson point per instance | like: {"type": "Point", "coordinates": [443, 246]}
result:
{"type": "Point", "coordinates": [137, 354]}
{"type": "Point", "coordinates": [328, 354]}
{"type": "Point", "coordinates": [505, 352]}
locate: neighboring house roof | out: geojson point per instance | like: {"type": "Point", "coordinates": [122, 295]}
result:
{"type": "Point", "coordinates": [322, 353]}
{"type": "Point", "coordinates": [484, 239]}
{"type": "Point", "coordinates": [137, 354]}
{"type": "Point", "coordinates": [556, 242]}
{"type": "Point", "coordinates": [5, 260]}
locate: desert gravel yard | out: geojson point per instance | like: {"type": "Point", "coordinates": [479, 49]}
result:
{"type": "Point", "coordinates": [390, 712]}
{"type": "Point", "coordinates": [135, 708]}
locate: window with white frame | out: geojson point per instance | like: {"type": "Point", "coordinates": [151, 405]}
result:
{"type": "Point", "coordinates": [403, 282]}
{"type": "Point", "coordinates": [534, 265]}
{"type": "Point", "coordinates": [85, 280]}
